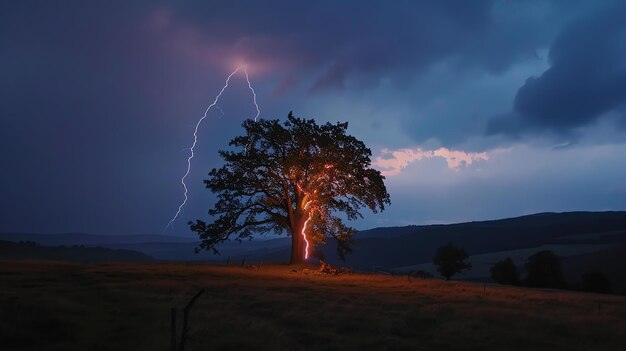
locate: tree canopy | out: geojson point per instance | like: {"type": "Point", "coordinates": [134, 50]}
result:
{"type": "Point", "coordinates": [505, 272]}
{"type": "Point", "coordinates": [296, 178]}
{"type": "Point", "coordinates": [544, 270]}
{"type": "Point", "coordinates": [450, 260]}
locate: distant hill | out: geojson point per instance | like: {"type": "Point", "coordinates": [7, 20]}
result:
{"type": "Point", "coordinates": [388, 248]}
{"type": "Point", "coordinates": [162, 247]}
{"type": "Point", "coordinates": [611, 262]}
{"type": "Point", "coordinates": [419, 244]}
{"type": "Point", "coordinates": [32, 251]}
{"type": "Point", "coordinates": [387, 232]}
{"type": "Point", "coordinates": [232, 248]}
{"type": "Point", "coordinates": [94, 239]}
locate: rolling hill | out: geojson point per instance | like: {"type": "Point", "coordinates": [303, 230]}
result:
{"type": "Point", "coordinates": [420, 244]}
{"type": "Point", "coordinates": [32, 251]}
{"type": "Point", "coordinates": [393, 248]}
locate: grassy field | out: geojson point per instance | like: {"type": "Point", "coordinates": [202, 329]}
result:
{"type": "Point", "coordinates": [62, 306]}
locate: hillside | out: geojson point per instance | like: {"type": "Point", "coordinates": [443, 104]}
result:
{"type": "Point", "coordinates": [32, 251]}
{"type": "Point", "coordinates": [490, 236]}
{"type": "Point", "coordinates": [610, 261]}
{"type": "Point", "coordinates": [60, 306]}
{"type": "Point", "coordinates": [392, 248]}
{"type": "Point", "coordinates": [94, 239]}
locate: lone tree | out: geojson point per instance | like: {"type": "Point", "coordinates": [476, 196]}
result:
{"type": "Point", "coordinates": [544, 270]}
{"type": "Point", "coordinates": [505, 272]}
{"type": "Point", "coordinates": [292, 178]}
{"type": "Point", "coordinates": [451, 260]}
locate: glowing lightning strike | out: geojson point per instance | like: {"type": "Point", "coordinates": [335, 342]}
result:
{"type": "Point", "coordinates": [303, 232]}
{"type": "Point", "coordinates": [195, 135]}
{"type": "Point", "coordinates": [306, 248]}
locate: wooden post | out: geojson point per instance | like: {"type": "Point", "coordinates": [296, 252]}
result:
{"type": "Point", "coordinates": [173, 330]}
{"type": "Point", "coordinates": [183, 335]}
{"type": "Point", "coordinates": [260, 262]}
{"type": "Point", "coordinates": [228, 261]}
{"type": "Point", "coordinates": [243, 262]}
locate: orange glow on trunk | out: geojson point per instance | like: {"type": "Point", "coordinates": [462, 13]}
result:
{"type": "Point", "coordinates": [310, 213]}
{"type": "Point", "coordinates": [303, 232]}
{"type": "Point", "coordinates": [306, 248]}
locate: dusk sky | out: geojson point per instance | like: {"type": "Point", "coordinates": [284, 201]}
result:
{"type": "Point", "coordinates": [473, 109]}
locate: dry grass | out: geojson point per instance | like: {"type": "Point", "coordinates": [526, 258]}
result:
{"type": "Point", "coordinates": [58, 306]}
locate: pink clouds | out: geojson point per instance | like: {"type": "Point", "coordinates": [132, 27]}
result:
{"type": "Point", "coordinates": [392, 162]}
{"type": "Point", "coordinates": [455, 158]}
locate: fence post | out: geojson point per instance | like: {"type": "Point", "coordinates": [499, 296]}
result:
{"type": "Point", "coordinates": [228, 261]}
{"type": "Point", "coordinates": [173, 330]}
{"type": "Point", "coordinates": [183, 335]}
{"type": "Point", "coordinates": [243, 261]}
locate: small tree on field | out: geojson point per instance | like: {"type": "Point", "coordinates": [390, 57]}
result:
{"type": "Point", "coordinates": [450, 260]}
{"type": "Point", "coordinates": [505, 272]}
{"type": "Point", "coordinates": [292, 178]}
{"type": "Point", "coordinates": [544, 270]}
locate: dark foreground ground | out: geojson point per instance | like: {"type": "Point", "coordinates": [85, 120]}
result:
{"type": "Point", "coordinates": [62, 306]}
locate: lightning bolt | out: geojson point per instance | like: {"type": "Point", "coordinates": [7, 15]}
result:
{"type": "Point", "coordinates": [303, 232]}
{"type": "Point", "coordinates": [310, 216]}
{"type": "Point", "coordinates": [306, 248]}
{"type": "Point", "coordinates": [195, 134]}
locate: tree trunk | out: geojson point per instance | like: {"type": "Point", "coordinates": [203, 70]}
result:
{"type": "Point", "coordinates": [297, 244]}
{"type": "Point", "coordinates": [296, 255]}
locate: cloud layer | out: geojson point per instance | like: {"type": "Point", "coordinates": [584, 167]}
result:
{"type": "Point", "coordinates": [392, 162]}
{"type": "Point", "coordinates": [98, 101]}
{"type": "Point", "coordinates": [354, 44]}
{"type": "Point", "coordinates": [586, 79]}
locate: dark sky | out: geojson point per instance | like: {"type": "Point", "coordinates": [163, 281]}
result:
{"type": "Point", "coordinates": [473, 109]}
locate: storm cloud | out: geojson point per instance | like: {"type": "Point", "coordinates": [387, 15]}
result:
{"type": "Point", "coordinates": [358, 43]}
{"type": "Point", "coordinates": [98, 101]}
{"type": "Point", "coordinates": [586, 79]}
